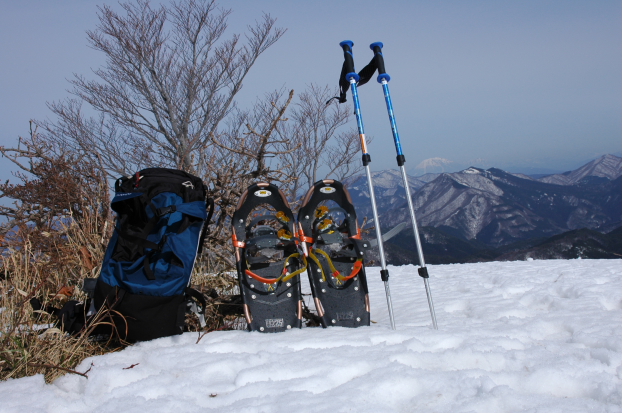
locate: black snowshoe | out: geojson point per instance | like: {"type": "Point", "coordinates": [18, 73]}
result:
{"type": "Point", "coordinates": [267, 260]}
{"type": "Point", "coordinates": [331, 237]}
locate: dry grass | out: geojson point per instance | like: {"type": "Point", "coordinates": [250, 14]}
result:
{"type": "Point", "coordinates": [48, 265]}
{"type": "Point", "coordinates": [223, 310]}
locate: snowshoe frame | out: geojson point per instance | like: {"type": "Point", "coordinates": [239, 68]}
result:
{"type": "Point", "coordinates": [270, 290]}
{"type": "Point", "coordinates": [337, 278]}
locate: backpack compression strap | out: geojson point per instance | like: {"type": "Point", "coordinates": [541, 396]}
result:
{"type": "Point", "coordinates": [194, 209]}
{"type": "Point", "coordinates": [210, 212]}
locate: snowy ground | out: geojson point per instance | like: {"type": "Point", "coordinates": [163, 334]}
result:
{"type": "Point", "coordinates": [539, 336]}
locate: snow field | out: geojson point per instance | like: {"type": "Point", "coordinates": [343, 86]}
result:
{"type": "Point", "coordinates": [538, 336]}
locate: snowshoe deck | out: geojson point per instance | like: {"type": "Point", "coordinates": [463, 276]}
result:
{"type": "Point", "coordinates": [335, 255]}
{"type": "Point", "coordinates": [267, 260]}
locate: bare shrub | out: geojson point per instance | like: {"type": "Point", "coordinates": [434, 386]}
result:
{"type": "Point", "coordinates": [55, 235]}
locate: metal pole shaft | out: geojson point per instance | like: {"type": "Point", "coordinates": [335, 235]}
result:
{"type": "Point", "coordinates": [398, 148]}
{"type": "Point", "coordinates": [418, 241]}
{"type": "Point", "coordinates": [383, 264]}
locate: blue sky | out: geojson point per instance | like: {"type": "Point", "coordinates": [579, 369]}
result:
{"type": "Point", "coordinates": [516, 84]}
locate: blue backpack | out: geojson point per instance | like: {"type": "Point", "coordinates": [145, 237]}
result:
{"type": "Point", "coordinates": [162, 217]}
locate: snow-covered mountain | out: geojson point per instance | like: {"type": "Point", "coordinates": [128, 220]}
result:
{"type": "Point", "coordinates": [496, 207]}
{"type": "Point", "coordinates": [607, 166]}
{"type": "Point", "coordinates": [469, 202]}
{"type": "Point", "coordinates": [531, 336]}
{"type": "Point", "coordinates": [388, 187]}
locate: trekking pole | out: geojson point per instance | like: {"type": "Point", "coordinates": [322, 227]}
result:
{"type": "Point", "coordinates": [384, 78]}
{"type": "Point", "coordinates": [352, 78]}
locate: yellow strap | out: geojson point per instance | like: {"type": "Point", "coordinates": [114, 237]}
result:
{"type": "Point", "coordinates": [335, 273]}
{"type": "Point", "coordinates": [314, 258]}
{"type": "Point", "coordinates": [281, 278]}
{"type": "Point", "coordinates": [321, 211]}
{"type": "Point", "coordinates": [282, 217]}
{"type": "Point", "coordinates": [295, 273]}
{"type": "Point", "coordinates": [330, 262]}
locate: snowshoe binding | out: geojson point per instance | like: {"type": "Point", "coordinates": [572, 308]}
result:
{"type": "Point", "coordinates": [267, 260]}
{"type": "Point", "coordinates": [331, 239]}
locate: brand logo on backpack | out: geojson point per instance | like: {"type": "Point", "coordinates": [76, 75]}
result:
{"type": "Point", "coordinates": [188, 184]}
{"type": "Point", "coordinates": [263, 193]}
{"type": "Point", "coordinates": [327, 190]}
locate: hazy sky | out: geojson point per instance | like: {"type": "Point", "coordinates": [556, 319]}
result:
{"type": "Point", "coordinates": [516, 83]}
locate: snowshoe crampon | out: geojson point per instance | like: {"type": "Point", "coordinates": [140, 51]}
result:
{"type": "Point", "coordinates": [267, 260]}
{"type": "Point", "coordinates": [332, 240]}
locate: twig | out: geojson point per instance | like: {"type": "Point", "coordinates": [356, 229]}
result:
{"type": "Point", "coordinates": [90, 367]}
{"type": "Point", "coordinates": [51, 366]}
{"type": "Point", "coordinates": [210, 331]}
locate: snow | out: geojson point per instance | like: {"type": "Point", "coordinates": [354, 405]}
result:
{"type": "Point", "coordinates": [533, 336]}
{"type": "Point", "coordinates": [472, 170]}
{"type": "Point", "coordinates": [433, 162]}
{"type": "Point", "coordinates": [477, 181]}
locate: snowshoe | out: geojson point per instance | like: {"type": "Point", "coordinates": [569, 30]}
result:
{"type": "Point", "coordinates": [331, 238]}
{"type": "Point", "coordinates": [267, 260]}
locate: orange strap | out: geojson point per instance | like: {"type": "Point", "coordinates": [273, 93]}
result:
{"type": "Point", "coordinates": [306, 239]}
{"type": "Point", "coordinates": [261, 279]}
{"type": "Point", "coordinates": [358, 234]}
{"type": "Point", "coordinates": [336, 274]}
{"type": "Point", "coordinates": [236, 243]}
{"type": "Point", "coordinates": [357, 267]}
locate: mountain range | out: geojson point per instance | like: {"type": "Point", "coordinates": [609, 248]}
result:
{"type": "Point", "coordinates": [487, 210]}
{"type": "Point", "coordinates": [442, 248]}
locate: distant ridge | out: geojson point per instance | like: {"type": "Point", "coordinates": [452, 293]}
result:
{"type": "Point", "coordinates": [442, 248]}
{"type": "Point", "coordinates": [497, 208]}
{"type": "Point", "coordinates": [607, 166]}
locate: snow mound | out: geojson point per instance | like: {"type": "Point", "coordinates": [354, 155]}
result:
{"type": "Point", "coordinates": [537, 336]}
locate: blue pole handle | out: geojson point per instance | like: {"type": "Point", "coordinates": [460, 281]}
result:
{"type": "Point", "coordinates": [346, 45]}
{"type": "Point", "coordinates": [377, 49]}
